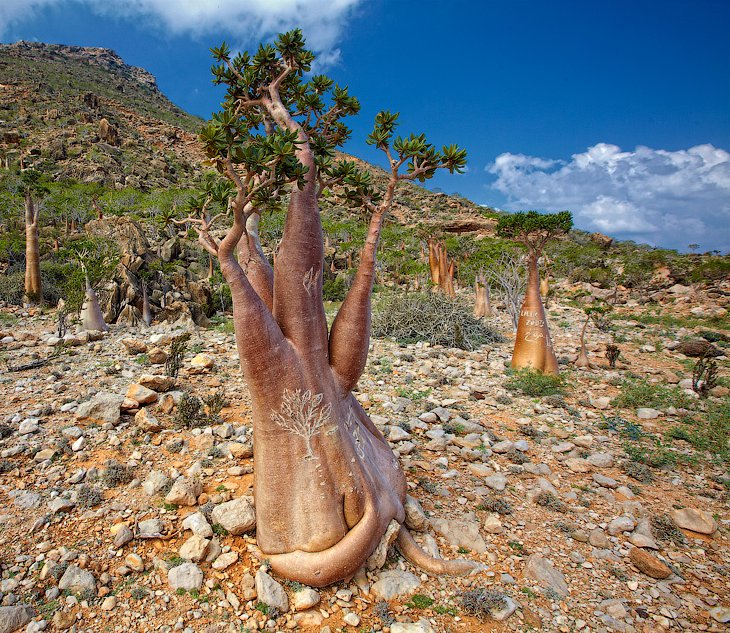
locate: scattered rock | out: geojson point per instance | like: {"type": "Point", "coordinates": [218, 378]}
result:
{"type": "Point", "coordinates": [237, 516]}
{"type": "Point", "coordinates": [695, 520]}
{"type": "Point", "coordinates": [186, 576]}
{"type": "Point", "coordinates": [184, 492]}
{"type": "Point", "coordinates": [394, 583]}
{"type": "Point", "coordinates": [77, 580]}
{"type": "Point", "coordinates": [542, 571]}
{"type": "Point", "coordinates": [648, 564]}
{"type": "Point", "coordinates": [271, 592]}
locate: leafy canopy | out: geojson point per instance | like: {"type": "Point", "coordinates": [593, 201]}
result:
{"type": "Point", "coordinates": [273, 108]}
{"type": "Point", "coordinates": [532, 228]}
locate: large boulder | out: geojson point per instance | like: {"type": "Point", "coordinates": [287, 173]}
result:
{"type": "Point", "coordinates": [102, 408]}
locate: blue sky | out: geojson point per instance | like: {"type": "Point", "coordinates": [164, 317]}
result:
{"type": "Point", "coordinates": [617, 111]}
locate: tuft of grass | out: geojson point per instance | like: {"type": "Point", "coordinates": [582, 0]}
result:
{"type": "Point", "coordinates": [534, 383]}
{"type": "Point", "coordinates": [495, 504]}
{"type": "Point", "coordinates": [641, 472]}
{"type": "Point", "coordinates": [642, 393]}
{"type": "Point", "coordinates": [665, 529]}
{"type": "Point", "coordinates": [419, 601]}
{"type": "Point", "coordinates": [88, 496]}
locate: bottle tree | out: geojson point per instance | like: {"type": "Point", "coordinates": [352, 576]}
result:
{"type": "Point", "coordinates": [31, 185]}
{"type": "Point", "coordinates": [327, 485]}
{"type": "Point", "coordinates": [533, 346]}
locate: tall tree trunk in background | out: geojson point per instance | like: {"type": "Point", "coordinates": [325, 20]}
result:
{"type": "Point", "coordinates": [533, 345]}
{"type": "Point", "coordinates": [33, 290]}
{"type": "Point", "coordinates": [146, 310]}
{"type": "Point", "coordinates": [483, 304]}
{"type": "Point", "coordinates": [582, 360]}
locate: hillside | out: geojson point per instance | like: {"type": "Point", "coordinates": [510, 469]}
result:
{"type": "Point", "coordinates": [82, 113]}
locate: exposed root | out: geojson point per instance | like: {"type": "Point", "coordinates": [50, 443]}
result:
{"type": "Point", "coordinates": [438, 566]}
{"type": "Point", "coordinates": [342, 560]}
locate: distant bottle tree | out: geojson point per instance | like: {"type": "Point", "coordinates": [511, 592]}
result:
{"type": "Point", "coordinates": [533, 345]}
{"type": "Point", "coordinates": [328, 486]}
{"type": "Point", "coordinates": [32, 187]}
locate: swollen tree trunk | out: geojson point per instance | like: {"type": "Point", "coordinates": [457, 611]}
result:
{"type": "Point", "coordinates": [533, 345]}
{"type": "Point", "coordinates": [91, 315]}
{"type": "Point", "coordinates": [483, 304]}
{"type": "Point", "coordinates": [441, 267]}
{"type": "Point", "coordinates": [328, 484]}
{"type": "Point", "coordinates": [582, 360]}
{"type": "Point", "coordinates": [33, 291]}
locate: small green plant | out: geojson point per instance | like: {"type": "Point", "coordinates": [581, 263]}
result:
{"type": "Point", "coordinates": [142, 359]}
{"type": "Point", "coordinates": [529, 592]}
{"type": "Point", "coordinates": [382, 612]}
{"type": "Point", "coordinates": [215, 403]}
{"type": "Point", "coordinates": [642, 393]}
{"type": "Point", "coordinates": [704, 375]}
{"type": "Point", "coordinates": [262, 607]}
{"type": "Point", "coordinates": [665, 529]}
{"type": "Point", "coordinates": [174, 561]}
{"type": "Point", "coordinates": [139, 593]}
{"type": "Point", "coordinates": [219, 530]}
{"type": "Point", "coordinates": [177, 353]}
{"type": "Point", "coordinates": [463, 550]}
{"type": "Point", "coordinates": [442, 610]}
{"type": "Point", "coordinates": [517, 547]}
{"type": "Point", "coordinates": [641, 472]}
{"type": "Point", "coordinates": [495, 504]}
{"type": "Point", "coordinates": [419, 601]}
{"type": "Point", "coordinates": [534, 383]}
{"type": "Point", "coordinates": [189, 412]}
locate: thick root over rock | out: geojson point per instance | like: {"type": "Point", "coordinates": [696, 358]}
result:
{"type": "Point", "coordinates": [319, 569]}
{"type": "Point", "coordinates": [437, 566]}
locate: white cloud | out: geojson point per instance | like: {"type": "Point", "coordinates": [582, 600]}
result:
{"type": "Point", "coordinates": [667, 198]}
{"type": "Point", "coordinates": [245, 22]}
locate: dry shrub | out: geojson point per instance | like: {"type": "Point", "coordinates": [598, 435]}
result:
{"type": "Point", "coordinates": [414, 316]}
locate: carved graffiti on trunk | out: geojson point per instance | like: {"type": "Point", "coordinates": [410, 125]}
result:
{"type": "Point", "coordinates": [303, 415]}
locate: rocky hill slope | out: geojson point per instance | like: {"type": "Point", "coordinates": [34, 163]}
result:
{"type": "Point", "coordinates": [82, 113]}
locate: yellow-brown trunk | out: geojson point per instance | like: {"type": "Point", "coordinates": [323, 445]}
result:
{"type": "Point", "coordinates": [533, 345]}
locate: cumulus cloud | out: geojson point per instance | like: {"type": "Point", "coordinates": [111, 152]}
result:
{"type": "Point", "coordinates": [246, 22]}
{"type": "Point", "coordinates": [666, 198]}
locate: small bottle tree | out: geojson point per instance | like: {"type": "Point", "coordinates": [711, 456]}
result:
{"type": "Point", "coordinates": [533, 345]}
{"type": "Point", "coordinates": [597, 314]}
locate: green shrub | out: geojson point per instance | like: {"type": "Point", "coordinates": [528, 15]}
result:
{"type": "Point", "coordinates": [534, 383]}
{"type": "Point", "coordinates": [334, 289]}
{"type": "Point", "coordinates": [414, 316]}
{"type": "Point", "coordinates": [12, 286]}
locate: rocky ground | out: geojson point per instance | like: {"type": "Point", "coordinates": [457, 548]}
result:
{"type": "Point", "coordinates": [117, 513]}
